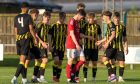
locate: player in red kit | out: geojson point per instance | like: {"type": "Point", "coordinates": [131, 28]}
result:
{"type": "Point", "coordinates": [73, 47]}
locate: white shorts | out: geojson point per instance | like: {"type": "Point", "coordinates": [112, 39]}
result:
{"type": "Point", "coordinates": [73, 53]}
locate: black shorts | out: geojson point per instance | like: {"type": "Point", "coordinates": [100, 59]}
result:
{"type": "Point", "coordinates": [58, 53]}
{"type": "Point", "coordinates": [23, 47]}
{"type": "Point", "coordinates": [91, 54]}
{"type": "Point", "coordinates": [111, 53]}
{"type": "Point", "coordinates": [120, 56]}
{"type": "Point", "coordinates": [43, 53]}
{"type": "Point", "coordinates": [34, 53]}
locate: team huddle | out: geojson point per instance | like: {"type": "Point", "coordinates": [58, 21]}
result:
{"type": "Point", "coordinates": [81, 38]}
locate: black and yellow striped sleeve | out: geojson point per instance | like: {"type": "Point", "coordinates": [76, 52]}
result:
{"type": "Point", "coordinates": [112, 27]}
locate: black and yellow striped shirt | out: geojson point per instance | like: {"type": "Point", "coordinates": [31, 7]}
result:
{"type": "Point", "coordinates": [42, 31]}
{"type": "Point", "coordinates": [22, 22]}
{"type": "Point", "coordinates": [120, 33]}
{"type": "Point", "coordinates": [58, 33]}
{"type": "Point", "coordinates": [93, 30]}
{"type": "Point", "coordinates": [110, 28]}
{"type": "Point", "coordinates": [81, 24]}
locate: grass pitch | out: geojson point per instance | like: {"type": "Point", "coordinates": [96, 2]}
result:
{"type": "Point", "coordinates": [8, 67]}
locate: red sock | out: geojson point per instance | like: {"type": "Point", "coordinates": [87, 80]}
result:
{"type": "Point", "coordinates": [68, 71]}
{"type": "Point", "coordinates": [77, 66]}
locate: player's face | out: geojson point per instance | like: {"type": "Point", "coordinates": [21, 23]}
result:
{"type": "Point", "coordinates": [24, 9]}
{"type": "Point", "coordinates": [116, 19]}
{"type": "Point", "coordinates": [62, 19]}
{"type": "Point", "coordinates": [105, 18]}
{"type": "Point", "coordinates": [46, 19]}
{"type": "Point", "coordinates": [34, 16]}
{"type": "Point", "coordinates": [90, 20]}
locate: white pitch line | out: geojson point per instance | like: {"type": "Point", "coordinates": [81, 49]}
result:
{"type": "Point", "coordinates": [5, 76]}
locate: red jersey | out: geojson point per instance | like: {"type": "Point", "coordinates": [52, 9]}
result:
{"type": "Point", "coordinates": [72, 25]}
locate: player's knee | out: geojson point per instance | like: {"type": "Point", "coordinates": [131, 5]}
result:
{"type": "Point", "coordinates": [44, 60]}
{"type": "Point", "coordinates": [104, 59]}
{"type": "Point", "coordinates": [70, 61]}
{"type": "Point", "coordinates": [82, 58]}
{"type": "Point", "coordinates": [22, 58]}
{"type": "Point", "coordinates": [122, 64]}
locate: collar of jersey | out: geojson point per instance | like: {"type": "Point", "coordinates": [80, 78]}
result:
{"type": "Point", "coordinates": [22, 13]}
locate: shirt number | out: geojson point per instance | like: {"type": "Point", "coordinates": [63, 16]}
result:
{"type": "Point", "coordinates": [20, 21]}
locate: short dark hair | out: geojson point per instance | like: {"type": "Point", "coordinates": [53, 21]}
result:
{"type": "Point", "coordinates": [81, 5]}
{"type": "Point", "coordinates": [91, 14]}
{"type": "Point", "coordinates": [62, 14]}
{"type": "Point", "coordinates": [34, 10]}
{"type": "Point", "coordinates": [47, 13]}
{"type": "Point", "coordinates": [107, 13]}
{"type": "Point", "coordinates": [81, 12]}
{"type": "Point", "coordinates": [117, 14]}
{"type": "Point", "coordinates": [24, 5]}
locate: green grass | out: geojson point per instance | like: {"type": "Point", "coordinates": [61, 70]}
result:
{"type": "Point", "coordinates": [8, 67]}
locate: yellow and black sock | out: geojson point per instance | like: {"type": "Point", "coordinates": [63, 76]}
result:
{"type": "Point", "coordinates": [19, 69]}
{"type": "Point", "coordinates": [114, 68]}
{"type": "Point", "coordinates": [121, 70]}
{"type": "Point", "coordinates": [42, 69]}
{"type": "Point", "coordinates": [108, 65]}
{"type": "Point", "coordinates": [24, 70]}
{"type": "Point", "coordinates": [59, 69]}
{"type": "Point", "coordinates": [54, 70]}
{"type": "Point", "coordinates": [85, 69]}
{"type": "Point", "coordinates": [94, 71]}
{"type": "Point", "coordinates": [36, 68]}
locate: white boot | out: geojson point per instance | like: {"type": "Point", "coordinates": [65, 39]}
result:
{"type": "Point", "coordinates": [120, 79]}
{"type": "Point", "coordinates": [24, 81]}
{"type": "Point", "coordinates": [42, 79]}
{"type": "Point", "coordinates": [14, 80]}
{"type": "Point", "coordinates": [85, 79]}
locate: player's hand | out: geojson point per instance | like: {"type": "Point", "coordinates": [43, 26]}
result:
{"type": "Point", "coordinates": [106, 45]}
{"type": "Point", "coordinates": [78, 47]}
{"type": "Point", "coordinates": [98, 43]}
{"type": "Point", "coordinates": [126, 51]}
{"type": "Point", "coordinates": [45, 45]}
